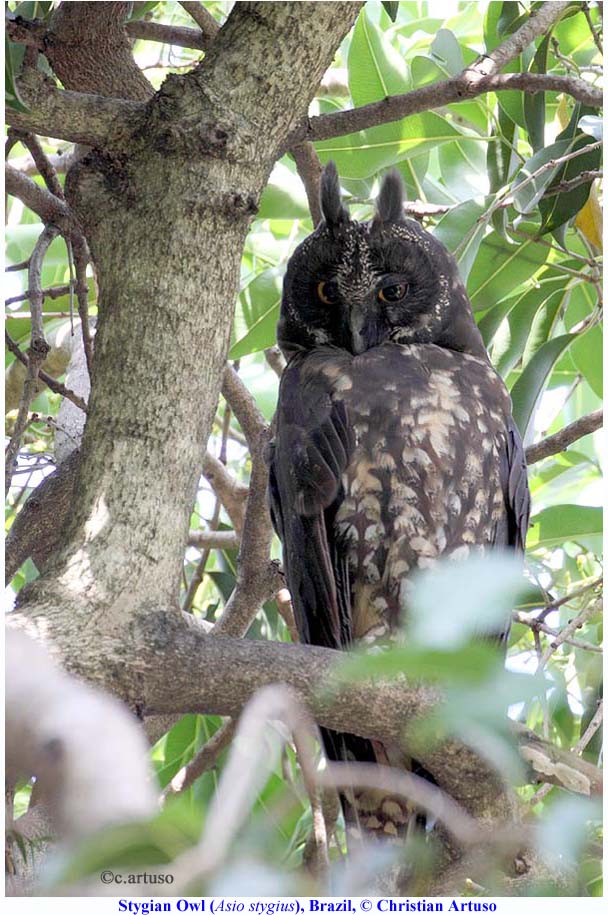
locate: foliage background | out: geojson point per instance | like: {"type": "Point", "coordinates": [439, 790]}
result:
{"type": "Point", "coordinates": [529, 252]}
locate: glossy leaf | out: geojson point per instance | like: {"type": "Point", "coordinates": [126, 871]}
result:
{"type": "Point", "coordinates": [553, 526]}
{"type": "Point", "coordinates": [500, 266]}
{"type": "Point", "coordinates": [529, 387]}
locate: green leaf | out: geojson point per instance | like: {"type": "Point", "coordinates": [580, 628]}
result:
{"type": "Point", "coordinates": [461, 230]}
{"type": "Point", "coordinates": [534, 103]}
{"type": "Point", "coordinates": [558, 208]}
{"type": "Point", "coordinates": [259, 306]}
{"type": "Point", "coordinates": [455, 601]}
{"type": "Point", "coordinates": [447, 50]}
{"type": "Point", "coordinates": [284, 196]}
{"type": "Point", "coordinates": [13, 56]}
{"type": "Point", "coordinates": [526, 198]}
{"type": "Point", "coordinates": [469, 664]}
{"type": "Point", "coordinates": [531, 383]}
{"type": "Point", "coordinates": [559, 523]}
{"type": "Point", "coordinates": [500, 266]}
{"type": "Point", "coordinates": [527, 326]}
{"type": "Point", "coordinates": [376, 70]}
{"type": "Point", "coordinates": [392, 8]}
{"type": "Point", "coordinates": [501, 160]}
{"type": "Point", "coordinates": [587, 349]}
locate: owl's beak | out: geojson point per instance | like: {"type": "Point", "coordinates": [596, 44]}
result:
{"type": "Point", "coordinates": [358, 320]}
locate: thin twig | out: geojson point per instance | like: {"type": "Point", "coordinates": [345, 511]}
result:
{"type": "Point", "coordinates": [537, 626]}
{"type": "Point", "coordinates": [554, 444]}
{"type": "Point", "coordinates": [81, 259]}
{"type": "Point", "coordinates": [38, 350]}
{"type": "Point", "coordinates": [214, 540]}
{"type": "Point", "coordinates": [577, 623]}
{"type": "Point", "coordinates": [583, 178]}
{"type": "Point", "coordinates": [205, 759]}
{"type": "Point", "coordinates": [204, 20]}
{"type": "Point", "coordinates": [591, 728]}
{"type": "Point", "coordinates": [56, 386]}
{"type": "Point", "coordinates": [45, 167]}
{"type": "Point", "coordinates": [52, 292]}
{"type": "Point", "coordinates": [594, 32]}
{"type": "Point", "coordinates": [177, 35]}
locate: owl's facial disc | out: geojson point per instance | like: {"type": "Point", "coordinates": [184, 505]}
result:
{"type": "Point", "coordinates": [357, 285]}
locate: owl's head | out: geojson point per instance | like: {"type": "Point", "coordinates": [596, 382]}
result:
{"type": "Point", "coordinates": [356, 285]}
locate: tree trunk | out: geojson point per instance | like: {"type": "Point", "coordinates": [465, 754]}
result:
{"type": "Point", "coordinates": [166, 223]}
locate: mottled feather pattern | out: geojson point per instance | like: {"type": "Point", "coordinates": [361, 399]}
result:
{"type": "Point", "coordinates": [395, 444]}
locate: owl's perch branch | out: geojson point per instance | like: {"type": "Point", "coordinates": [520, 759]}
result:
{"type": "Point", "coordinates": [219, 675]}
{"type": "Point", "coordinates": [554, 444]}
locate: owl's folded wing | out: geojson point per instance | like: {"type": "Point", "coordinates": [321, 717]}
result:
{"type": "Point", "coordinates": [309, 454]}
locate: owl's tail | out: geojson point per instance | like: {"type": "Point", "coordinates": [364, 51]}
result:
{"type": "Point", "coordinates": [374, 812]}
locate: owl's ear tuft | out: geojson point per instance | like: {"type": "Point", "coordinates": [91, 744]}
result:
{"type": "Point", "coordinates": [389, 205]}
{"type": "Point", "coordinates": [334, 212]}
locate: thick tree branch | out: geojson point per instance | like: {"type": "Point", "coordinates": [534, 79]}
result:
{"type": "Point", "coordinates": [553, 444]}
{"type": "Point", "coordinates": [219, 675]}
{"type": "Point", "coordinates": [92, 120]}
{"type": "Point", "coordinates": [88, 49]}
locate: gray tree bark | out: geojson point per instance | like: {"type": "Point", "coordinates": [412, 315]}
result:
{"type": "Point", "coordinates": [166, 222]}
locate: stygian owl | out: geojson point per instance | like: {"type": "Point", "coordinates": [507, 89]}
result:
{"type": "Point", "coordinates": [394, 441]}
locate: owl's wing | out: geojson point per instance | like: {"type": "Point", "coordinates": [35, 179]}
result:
{"type": "Point", "coordinates": [514, 479]}
{"type": "Point", "coordinates": [311, 449]}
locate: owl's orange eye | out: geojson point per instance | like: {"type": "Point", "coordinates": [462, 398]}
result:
{"type": "Point", "coordinates": [327, 291]}
{"type": "Point", "coordinates": [393, 293]}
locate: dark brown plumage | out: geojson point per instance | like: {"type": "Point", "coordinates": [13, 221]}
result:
{"type": "Point", "coordinates": [394, 443]}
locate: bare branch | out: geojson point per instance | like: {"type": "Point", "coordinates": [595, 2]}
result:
{"type": "Point", "coordinates": [593, 726]}
{"type": "Point", "coordinates": [50, 208]}
{"type": "Point", "coordinates": [536, 25]}
{"type": "Point", "coordinates": [205, 21]}
{"type": "Point", "coordinates": [56, 386]}
{"type": "Point", "coordinates": [93, 120]}
{"type": "Point", "coordinates": [258, 578]}
{"type": "Point", "coordinates": [451, 91]}
{"type": "Point", "coordinates": [554, 444]}
{"type": "Point", "coordinates": [537, 626]}
{"type": "Point", "coordinates": [577, 623]}
{"type": "Point", "coordinates": [309, 169]}
{"type": "Point", "coordinates": [205, 759]}
{"type": "Point", "coordinates": [44, 166]}
{"type": "Point", "coordinates": [232, 494]}
{"type": "Point", "coordinates": [214, 540]}
{"type": "Point", "coordinates": [81, 259]}
{"type": "Point", "coordinates": [177, 35]}
{"type": "Point", "coordinates": [275, 359]}
{"type": "Point", "coordinates": [51, 292]}
{"type": "Point", "coordinates": [38, 351]}
{"type": "Point", "coordinates": [246, 410]}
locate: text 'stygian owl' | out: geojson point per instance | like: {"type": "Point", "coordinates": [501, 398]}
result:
{"type": "Point", "coordinates": [394, 443]}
